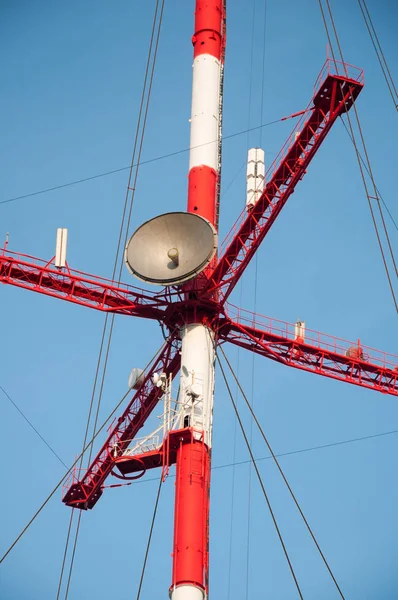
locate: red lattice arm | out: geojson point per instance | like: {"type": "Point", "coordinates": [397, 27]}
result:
{"type": "Point", "coordinates": [74, 286]}
{"type": "Point", "coordinates": [84, 493]}
{"type": "Point", "coordinates": [313, 351]}
{"type": "Point", "coordinates": [334, 95]}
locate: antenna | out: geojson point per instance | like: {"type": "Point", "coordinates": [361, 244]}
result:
{"type": "Point", "coordinates": [60, 248]}
{"type": "Point", "coordinates": [171, 248]}
{"type": "Point", "coordinates": [136, 379]}
{"type": "Point", "coordinates": [255, 176]}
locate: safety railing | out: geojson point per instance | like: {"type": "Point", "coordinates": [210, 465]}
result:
{"type": "Point", "coordinates": [283, 331]}
{"type": "Point", "coordinates": [25, 261]}
{"type": "Point", "coordinates": [336, 67]}
{"type": "Point", "coordinates": [143, 445]}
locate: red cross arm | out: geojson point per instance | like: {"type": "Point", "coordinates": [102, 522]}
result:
{"type": "Point", "coordinates": [312, 351]}
{"type": "Point", "coordinates": [334, 95]}
{"type": "Point", "coordinates": [81, 288]}
{"type": "Point", "coordinates": [85, 492]}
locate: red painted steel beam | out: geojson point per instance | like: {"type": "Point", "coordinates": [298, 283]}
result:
{"type": "Point", "coordinates": [333, 97]}
{"type": "Point", "coordinates": [163, 456]}
{"type": "Point", "coordinates": [318, 353]}
{"type": "Point", "coordinates": [85, 492]}
{"type": "Point", "coordinates": [80, 288]}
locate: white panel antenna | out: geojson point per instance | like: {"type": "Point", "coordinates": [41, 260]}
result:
{"type": "Point", "coordinates": [299, 331]}
{"type": "Point", "coordinates": [255, 176]}
{"type": "Point", "coordinates": [60, 248]}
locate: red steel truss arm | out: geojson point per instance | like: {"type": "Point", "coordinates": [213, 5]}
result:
{"type": "Point", "coordinates": [334, 95]}
{"type": "Point", "coordinates": [84, 493]}
{"type": "Point", "coordinates": [74, 286]}
{"type": "Point", "coordinates": [315, 352]}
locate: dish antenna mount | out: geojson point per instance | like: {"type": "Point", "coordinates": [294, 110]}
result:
{"type": "Point", "coordinates": [171, 248]}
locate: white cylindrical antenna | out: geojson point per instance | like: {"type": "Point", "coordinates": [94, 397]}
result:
{"type": "Point", "coordinates": [60, 248]}
{"type": "Point", "coordinates": [299, 331]}
{"type": "Point", "coordinates": [255, 176]}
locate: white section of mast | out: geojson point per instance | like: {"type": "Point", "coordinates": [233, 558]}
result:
{"type": "Point", "coordinates": [197, 379]}
{"type": "Point", "coordinates": [205, 112]}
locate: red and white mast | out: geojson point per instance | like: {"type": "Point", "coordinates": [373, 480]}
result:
{"type": "Point", "coordinates": [190, 549]}
{"type": "Point", "coordinates": [171, 250]}
{"type": "Point", "coordinates": [208, 46]}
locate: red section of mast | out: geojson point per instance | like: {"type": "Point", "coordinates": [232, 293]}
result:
{"type": "Point", "coordinates": [202, 185]}
{"type": "Point", "coordinates": [207, 38]}
{"type": "Point", "coordinates": [190, 552]}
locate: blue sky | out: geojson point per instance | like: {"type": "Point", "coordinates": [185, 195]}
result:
{"type": "Point", "coordinates": [72, 75]}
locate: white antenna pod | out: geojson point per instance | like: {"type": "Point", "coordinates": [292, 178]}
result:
{"type": "Point", "coordinates": [60, 248]}
{"type": "Point", "coordinates": [136, 378]}
{"type": "Point", "coordinates": [255, 176]}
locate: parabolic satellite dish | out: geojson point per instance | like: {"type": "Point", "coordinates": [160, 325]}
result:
{"type": "Point", "coordinates": [171, 248]}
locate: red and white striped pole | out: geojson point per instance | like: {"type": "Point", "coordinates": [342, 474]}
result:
{"type": "Point", "coordinates": [191, 519]}
{"type": "Point", "coordinates": [203, 162]}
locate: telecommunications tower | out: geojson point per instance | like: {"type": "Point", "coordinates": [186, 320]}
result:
{"type": "Point", "coordinates": [179, 251]}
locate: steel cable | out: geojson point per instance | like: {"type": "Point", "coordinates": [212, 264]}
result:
{"type": "Point", "coordinates": [249, 483]}
{"type": "Point", "coordinates": [233, 484]}
{"type": "Point", "coordinates": [60, 482]}
{"type": "Point", "coordinates": [384, 67]}
{"type": "Point", "coordinates": [65, 553]}
{"type": "Point", "coordinates": [144, 162]}
{"type": "Point", "coordinates": [359, 159]}
{"type": "Point", "coordinates": [282, 474]}
{"type": "Point", "coordinates": [368, 164]}
{"type": "Point", "coordinates": [367, 170]}
{"type": "Point", "coordinates": [381, 50]}
{"type": "Point", "coordinates": [33, 427]}
{"type": "Point", "coordinates": [124, 226]}
{"type": "Point", "coordinates": [149, 539]}
{"type": "Point", "coordinates": [279, 455]}
{"type": "Point", "coordinates": [145, 97]}
{"type": "Point", "coordinates": [260, 481]}
{"type": "Point", "coordinates": [232, 505]}
{"type": "Point", "coordinates": [72, 560]}
{"type": "Point", "coordinates": [327, 33]}
{"type": "Point", "coordinates": [255, 301]}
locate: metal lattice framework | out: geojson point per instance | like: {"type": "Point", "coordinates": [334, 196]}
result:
{"type": "Point", "coordinates": [336, 89]}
